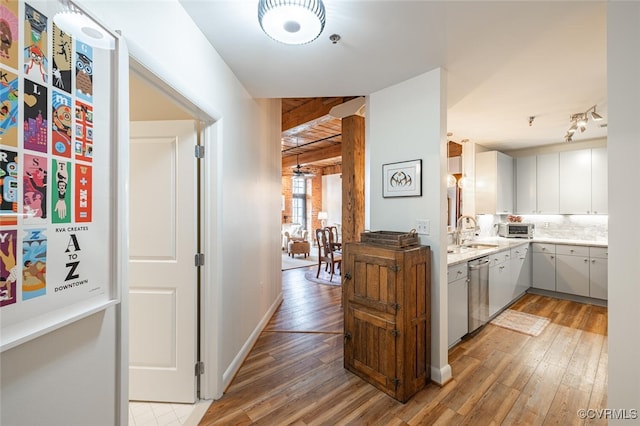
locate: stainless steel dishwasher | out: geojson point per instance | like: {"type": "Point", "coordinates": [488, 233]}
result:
{"type": "Point", "coordinates": [478, 295]}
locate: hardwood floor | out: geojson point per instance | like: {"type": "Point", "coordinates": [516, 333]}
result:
{"type": "Point", "coordinates": [294, 373]}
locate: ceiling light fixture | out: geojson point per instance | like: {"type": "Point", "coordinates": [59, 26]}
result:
{"type": "Point", "coordinates": [292, 21]}
{"type": "Point", "coordinates": [579, 122]}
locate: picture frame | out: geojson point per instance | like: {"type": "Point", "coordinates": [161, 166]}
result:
{"type": "Point", "coordinates": [402, 179]}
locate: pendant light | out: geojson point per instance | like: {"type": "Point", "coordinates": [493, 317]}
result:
{"type": "Point", "coordinates": [451, 179]}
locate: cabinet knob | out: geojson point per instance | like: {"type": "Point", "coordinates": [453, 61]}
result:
{"type": "Point", "coordinates": [459, 272]}
{"type": "Point", "coordinates": [572, 250]}
{"type": "Point", "coordinates": [552, 257]}
{"type": "Point", "coordinates": [586, 260]}
{"type": "Point", "coordinates": [593, 261]}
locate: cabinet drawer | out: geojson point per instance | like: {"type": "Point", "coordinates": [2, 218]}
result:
{"type": "Point", "coordinates": [500, 257]}
{"type": "Point", "coordinates": [456, 272]}
{"type": "Point", "coordinates": [599, 252]}
{"type": "Point", "coordinates": [519, 252]}
{"type": "Point", "coordinates": [544, 248]}
{"type": "Point", "coordinates": [572, 250]}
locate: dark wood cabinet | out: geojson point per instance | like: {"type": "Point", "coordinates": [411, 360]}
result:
{"type": "Point", "coordinates": [387, 310]}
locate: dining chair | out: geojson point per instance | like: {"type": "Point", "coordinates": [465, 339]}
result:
{"type": "Point", "coordinates": [326, 254]}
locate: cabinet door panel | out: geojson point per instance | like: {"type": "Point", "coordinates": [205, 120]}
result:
{"type": "Point", "coordinates": [526, 185]}
{"type": "Point", "coordinates": [599, 191]}
{"type": "Point", "coordinates": [598, 269]}
{"type": "Point", "coordinates": [458, 310]}
{"type": "Point", "coordinates": [547, 183]}
{"type": "Point", "coordinates": [572, 275]}
{"type": "Point", "coordinates": [575, 182]}
{"type": "Point", "coordinates": [544, 271]}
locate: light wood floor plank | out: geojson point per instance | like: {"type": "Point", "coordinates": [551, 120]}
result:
{"type": "Point", "coordinates": [294, 374]}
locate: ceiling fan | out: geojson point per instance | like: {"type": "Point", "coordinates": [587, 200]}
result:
{"type": "Point", "coordinates": [298, 171]}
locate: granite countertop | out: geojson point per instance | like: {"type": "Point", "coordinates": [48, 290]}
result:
{"type": "Point", "coordinates": [500, 244]}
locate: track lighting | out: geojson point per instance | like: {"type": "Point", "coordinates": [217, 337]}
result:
{"type": "Point", "coordinates": [579, 122]}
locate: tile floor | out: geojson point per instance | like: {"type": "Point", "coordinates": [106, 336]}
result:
{"type": "Point", "coordinates": [159, 414]}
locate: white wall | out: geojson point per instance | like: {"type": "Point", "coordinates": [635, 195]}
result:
{"type": "Point", "coordinates": [332, 198]}
{"type": "Point", "coordinates": [69, 377]}
{"type": "Point", "coordinates": [408, 122]}
{"type": "Point", "coordinates": [623, 69]}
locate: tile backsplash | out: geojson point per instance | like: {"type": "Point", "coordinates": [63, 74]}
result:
{"type": "Point", "coordinates": [570, 227]}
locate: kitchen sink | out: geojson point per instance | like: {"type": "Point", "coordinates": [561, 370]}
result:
{"type": "Point", "coordinates": [470, 247]}
{"type": "Point", "coordinates": [480, 246]}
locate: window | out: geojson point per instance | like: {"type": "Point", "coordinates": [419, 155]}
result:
{"type": "Point", "coordinates": [299, 201]}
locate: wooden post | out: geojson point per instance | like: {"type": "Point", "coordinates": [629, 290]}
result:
{"type": "Point", "coordinates": [352, 178]}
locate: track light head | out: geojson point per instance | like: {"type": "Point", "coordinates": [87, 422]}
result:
{"type": "Point", "coordinates": [595, 116]}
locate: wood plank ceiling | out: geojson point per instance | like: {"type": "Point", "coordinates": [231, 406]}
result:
{"type": "Point", "coordinates": [313, 138]}
{"type": "Point", "coordinates": [310, 136]}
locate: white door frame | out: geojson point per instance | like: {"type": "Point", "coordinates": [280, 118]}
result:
{"type": "Point", "coordinates": [210, 136]}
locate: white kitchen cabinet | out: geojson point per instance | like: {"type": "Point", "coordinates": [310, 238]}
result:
{"type": "Point", "coordinates": [544, 266]}
{"type": "Point", "coordinates": [500, 285]}
{"type": "Point", "coordinates": [494, 183]}
{"type": "Point", "coordinates": [520, 270]}
{"type": "Point", "coordinates": [548, 183]}
{"type": "Point", "coordinates": [599, 192]}
{"type": "Point", "coordinates": [525, 171]}
{"type": "Point", "coordinates": [575, 182]}
{"type": "Point", "coordinates": [457, 302]}
{"type": "Point", "coordinates": [598, 268]}
{"type": "Point", "coordinates": [572, 269]}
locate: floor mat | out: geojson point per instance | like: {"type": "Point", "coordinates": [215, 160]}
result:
{"type": "Point", "coordinates": [521, 322]}
{"type": "Point", "coordinates": [323, 278]}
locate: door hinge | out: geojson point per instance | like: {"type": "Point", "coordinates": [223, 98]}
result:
{"type": "Point", "coordinates": [199, 368]}
{"type": "Point", "coordinates": [199, 152]}
{"type": "Point", "coordinates": [396, 382]}
{"type": "Point", "coordinates": [199, 259]}
{"type": "Point", "coordinates": [395, 306]}
{"type": "Point", "coordinates": [395, 332]}
{"type": "Point", "coordinates": [395, 268]}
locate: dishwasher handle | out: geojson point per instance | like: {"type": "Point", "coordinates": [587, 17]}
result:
{"type": "Point", "coordinates": [479, 265]}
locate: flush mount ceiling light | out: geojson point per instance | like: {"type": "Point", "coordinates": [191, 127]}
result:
{"type": "Point", "coordinates": [292, 21]}
{"type": "Point", "coordinates": [74, 22]}
{"type": "Point", "coordinates": [579, 122]}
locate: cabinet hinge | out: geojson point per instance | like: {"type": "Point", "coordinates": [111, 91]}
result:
{"type": "Point", "coordinates": [395, 268]}
{"type": "Point", "coordinates": [199, 151]}
{"type": "Point", "coordinates": [395, 306]}
{"type": "Point", "coordinates": [395, 332]}
{"type": "Point", "coordinates": [199, 260]}
{"type": "Point", "coordinates": [395, 381]}
{"type": "Point", "coordinates": [199, 368]}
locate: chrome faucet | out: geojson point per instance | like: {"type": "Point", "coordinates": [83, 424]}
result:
{"type": "Point", "coordinates": [460, 228]}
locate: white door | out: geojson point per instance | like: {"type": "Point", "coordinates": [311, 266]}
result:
{"type": "Point", "coordinates": [163, 276]}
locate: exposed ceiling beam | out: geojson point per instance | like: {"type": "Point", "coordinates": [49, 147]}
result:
{"type": "Point", "coordinates": [310, 157]}
{"type": "Point", "coordinates": [309, 111]}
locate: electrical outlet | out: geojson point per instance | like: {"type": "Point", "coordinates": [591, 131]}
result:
{"type": "Point", "coordinates": [422, 226]}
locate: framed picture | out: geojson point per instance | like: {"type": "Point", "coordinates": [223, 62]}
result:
{"type": "Point", "coordinates": [402, 179]}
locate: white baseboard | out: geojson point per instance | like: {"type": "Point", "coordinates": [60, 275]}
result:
{"type": "Point", "coordinates": [235, 365]}
{"type": "Point", "coordinates": [441, 375]}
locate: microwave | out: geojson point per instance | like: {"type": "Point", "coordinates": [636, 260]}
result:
{"type": "Point", "coordinates": [516, 230]}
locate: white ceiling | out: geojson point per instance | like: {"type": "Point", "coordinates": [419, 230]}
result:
{"type": "Point", "coordinates": [505, 60]}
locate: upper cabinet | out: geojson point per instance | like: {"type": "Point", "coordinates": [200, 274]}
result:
{"type": "Point", "coordinates": [571, 182]}
{"type": "Point", "coordinates": [494, 183]}
{"type": "Point", "coordinates": [599, 182]}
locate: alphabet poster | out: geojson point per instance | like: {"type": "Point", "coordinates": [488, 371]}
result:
{"type": "Point", "coordinates": [56, 151]}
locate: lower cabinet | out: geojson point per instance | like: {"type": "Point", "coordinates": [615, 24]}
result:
{"type": "Point", "coordinates": [501, 287]}
{"type": "Point", "coordinates": [458, 306]}
{"type": "Point", "coordinates": [544, 266]}
{"type": "Point", "coordinates": [520, 270]}
{"type": "Point", "coordinates": [598, 269]}
{"type": "Point", "coordinates": [572, 270]}
{"type": "Point", "coordinates": [387, 316]}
